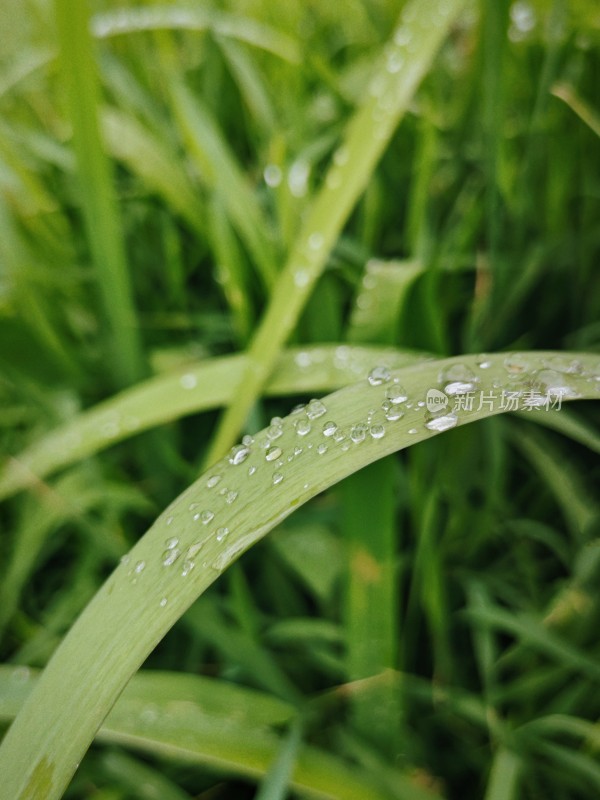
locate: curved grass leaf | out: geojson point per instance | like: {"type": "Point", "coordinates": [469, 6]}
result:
{"type": "Point", "coordinates": [224, 513]}
{"type": "Point", "coordinates": [191, 389]}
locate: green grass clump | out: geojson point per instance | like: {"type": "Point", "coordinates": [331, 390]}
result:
{"type": "Point", "coordinates": [209, 214]}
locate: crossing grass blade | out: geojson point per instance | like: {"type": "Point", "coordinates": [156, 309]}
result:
{"type": "Point", "coordinates": [207, 528]}
{"type": "Point", "coordinates": [422, 28]}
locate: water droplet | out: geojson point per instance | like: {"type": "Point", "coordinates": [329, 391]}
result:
{"type": "Point", "coordinates": [163, 602]}
{"type": "Point", "coordinates": [297, 450]}
{"type": "Point", "coordinates": [247, 440]}
{"type": "Point", "coordinates": [341, 155]}
{"type": "Point", "coordinates": [222, 534]}
{"type": "Point", "coordinates": [315, 409]}
{"type": "Point", "coordinates": [303, 360]}
{"type": "Point", "coordinates": [329, 428]}
{"type": "Point", "coordinates": [358, 433]}
{"type": "Point", "coordinates": [231, 497]}
{"type": "Point", "coordinates": [272, 175]}
{"type": "Point", "coordinates": [277, 478]}
{"type": "Point", "coordinates": [139, 567]}
{"type": "Point", "coordinates": [237, 455]}
{"type": "Point", "coordinates": [443, 423]}
{"type": "Point", "coordinates": [251, 470]}
{"type": "Point", "coordinates": [556, 385]}
{"type": "Point", "coordinates": [517, 364]}
{"type": "Point", "coordinates": [171, 543]}
{"type": "Point", "coordinates": [188, 381]}
{"type": "Point", "coordinates": [396, 394]}
{"type": "Point", "coordinates": [568, 366]}
{"type": "Point", "coordinates": [412, 431]}
{"type": "Point", "coordinates": [195, 548]}
{"type": "Point", "coordinates": [378, 375]}
{"type": "Point", "coordinates": [395, 60]}
{"type": "Point", "coordinates": [315, 241]}
{"type": "Point", "coordinates": [302, 427]}
{"type": "Point", "coordinates": [298, 178]}
{"type": "Point", "coordinates": [187, 567]}
{"type": "Point", "coordinates": [402, 36]}
{"type": "Point", "coordinates": [458, 379]}
{"type": "Point", "coordinates": [169, 520]}
{"type": "Point", "coordinates": [125, 559]}
{"type": "Point", "coordinates": [322, 449]}
{"type": "Point", "coordinates": [484, 363]}
{"type": "Point", "coordinates": [273, 453]}
{"type": "Point", "coordinates": [170, 556]}
{"type": "Point", "coordinates": [392, 413]}
{"type": "Point", "coordinates": [206, 517]}
{"type": "Point", "coordinates": [274, 432]}
{"type": "Point", "coordinates": [377, 431]}
{"type": "Point", "coordinates": [301, 277]}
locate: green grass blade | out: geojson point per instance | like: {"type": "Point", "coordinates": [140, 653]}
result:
{"type": "Point", "coordinates": [503, 783]}
{"type": "Point", "coordinates": [423, 26]}
{"type": "Point", "coordinates": [276, 781]}
{"type": "Point", "coordinates": [194, 388]}
{"type": "Point", "coordinates": [207, 528]}
{"type": "Point", "coordinates": [100, 210]}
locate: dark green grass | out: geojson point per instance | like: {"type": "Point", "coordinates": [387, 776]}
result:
{"type": "Point", "coordinates": [487, 536]}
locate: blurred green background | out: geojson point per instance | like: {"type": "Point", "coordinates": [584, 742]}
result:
{"type": "Point", "coordinates": [156, 161]}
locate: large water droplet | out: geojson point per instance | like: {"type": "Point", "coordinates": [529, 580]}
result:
{"type": "Point", "coordinates": [396, 394]}
{"type": "Point", "coordinates": [458, 379]}
{"type": "Point", "coordinates": [237, 455]}
{"type": "Point", "coordinates": [315, 409]}
{"type": "Point", "coordinates": [302, 427]}
{"type": "Point", "coordinates": [378, 375]}
{"type": "Point", "coordinates": [358, 433]}
{"type": "Point", "coordinates": [377, 431]}
{"type": "Point", "coordinates": [443, 423]}
{"type": "Point", "coordinates": [273, 453]}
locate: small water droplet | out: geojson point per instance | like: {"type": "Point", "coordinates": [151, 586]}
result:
{"type": "Point", "coordinates": [378, 375]}
{"type": "Point", "coordinates": [412, 431]}
{"type": "Point", "coordinates": [237, 455]}
{"type": "Point", "coordinates": [163, 602]}
{"type": "Point", "coordinates": [231, 497]}
{"type": "Point", "coordinates": [171, 543]}
{"type": "Point", "coordinates": [222, 534]}
{"type": "Point", "coordinates": [392, 413]}
{"type": "Point", "coordinates": [442, 423]}
{"type": "Point", "coordinates": [358, 433]}
{"type": "Point", "coordinates": [170, 556]}
{"type": "Point", "coordinates": [377, 431]}
{"type": "Point", "coordinates": [169, 520]}
{"type": "Point", "coordinates": [322, 449]}
{"type": "Point", "coordinates": [396, 394]}
{"type": "Point", "coordinates": [484, 363]}
{"type": "Point", "coordinates": [556, 384]}
{"type": "Point", "coordinates": [315, 241]}
{"type": "Point", "coordinates": [251, 470]}
{"type": "Point", "coordinates": [272, 175]}
{"type": "Point", "coordinates": [188, 381]}
{"type": "Point", "coordinates": [125, 559]}
{"type": "Point", "coordinates": [315, 409]}
{"type": "Point", "coordinates": [329, 428]}
{"type": "Point", "coordinates": [187, 567]}
{"type": "Point", "coordinates": [273, 453]}
{"type": "Point", "coordinates": [402, 36]}
{"type": "Point", "coordinates": [195, 548]}
{"type": "Point", "coordinates": [277, 478]}
{"type": "Point", "coordinates": [302, 427]}
{"type": "Point", "coordinates": [301, 277]}
{"type": "Point", "coordinates": [139, 567]}
{"type": "Point", "coordinates": [206, 517]}
{"type": "Point", "coordinates": [517, 364]}
{"type": "Point", "coordinates": [274, 431]}
{"type": "Point", "coordinates": [395, 60]}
